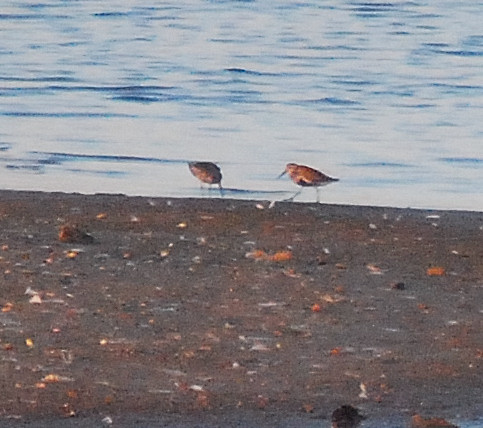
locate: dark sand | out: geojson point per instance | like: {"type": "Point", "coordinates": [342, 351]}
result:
{"type": "Point", "coordinates": [164, 321]}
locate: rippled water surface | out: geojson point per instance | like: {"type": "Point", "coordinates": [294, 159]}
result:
{"type": "Point", "coordinates": [117, 96]}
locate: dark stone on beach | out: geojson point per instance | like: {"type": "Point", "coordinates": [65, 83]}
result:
{"type": "Point", "coordinates": [398, 285]}
{"type": "Point", "coordinates": [346, 416]}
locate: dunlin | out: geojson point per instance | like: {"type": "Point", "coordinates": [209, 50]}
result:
{"type": "Point", "coordinates": [206, 172]}
{"type": "Point", "coordinates": [306, 176]}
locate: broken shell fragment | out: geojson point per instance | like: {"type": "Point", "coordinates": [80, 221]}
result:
{"type": "Point", "coordinates": [51, 378]}
{"type": "Point", "coordinates": [35, 299]}
{"type": "Point", "coordinates": [279, 256]}
{"type": "Point", "coordinates": [315, 307]}
{"type": "Point", "coordinates": [256, 254]}
{"type": "Point", "coordinates": [72, 254]}
{"type": "Point", "coordinates": [72, 233]}
{"type": "Point", "coordinates": [375, 270]}
{"type": "Point", "coordinates": [435, 271]}
{"type": "Point", "coordinates": [7, 307]}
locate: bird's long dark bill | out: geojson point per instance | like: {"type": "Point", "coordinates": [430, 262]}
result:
{"type": "Point", "coordinates": [282, 174]}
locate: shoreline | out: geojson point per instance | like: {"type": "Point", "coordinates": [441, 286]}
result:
{"type": "Point", "coordinates": [227, 307]}
{"type": "Point", "coordinates": [236, 194]}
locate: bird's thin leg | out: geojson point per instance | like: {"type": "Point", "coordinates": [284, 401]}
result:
{"type": "Point", "coordinates": [318, 196]}
{"type": "Point", "coordinates": [293, 196]}
{"type": "Point", "coordinates": [221, 189]}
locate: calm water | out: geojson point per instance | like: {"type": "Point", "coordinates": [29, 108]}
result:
{"type": "Point", "coordinates": [117, 96]}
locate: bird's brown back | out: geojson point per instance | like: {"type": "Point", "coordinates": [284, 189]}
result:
{"type": "Point", "coordinates": [207, 172]}
{"type": "Point", "coordinates": [306, 176]}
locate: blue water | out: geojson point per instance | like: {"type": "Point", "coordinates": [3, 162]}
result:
{"type": "Point", "coordinates": [117, 96]}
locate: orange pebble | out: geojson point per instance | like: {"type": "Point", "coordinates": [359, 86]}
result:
{"type": "Point", "coordinates": [435, 271]}
{"type": "Point", "coordinates": [315, 307]}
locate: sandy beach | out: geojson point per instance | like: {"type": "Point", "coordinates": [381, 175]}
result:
{"type": "Point", "coordinates": [205, 312]}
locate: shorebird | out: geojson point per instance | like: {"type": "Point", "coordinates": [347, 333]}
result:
{"type": "Point", "coordinates": [306, 176]}
{"type": "Point", "coordinates": [207, 172]}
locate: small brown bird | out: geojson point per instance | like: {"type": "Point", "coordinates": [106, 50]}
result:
{"type": "Point", "coordinates": [206, 172]}
{"type": "Point", "coordinates": [306, 176]}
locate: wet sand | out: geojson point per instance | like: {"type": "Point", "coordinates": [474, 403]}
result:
{"type": "Point", "coordinates": [205, 312]}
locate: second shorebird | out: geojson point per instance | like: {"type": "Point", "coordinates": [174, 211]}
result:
{"type": "Point", "coordinates": [207, 172]}
{"type": "Point", "coordinates": [306, 176]}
